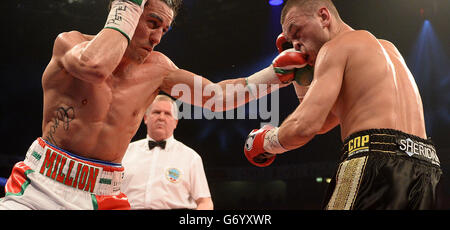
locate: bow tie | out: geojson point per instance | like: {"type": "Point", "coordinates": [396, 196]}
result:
{"type": "Point", "coordinates": [153, 144]}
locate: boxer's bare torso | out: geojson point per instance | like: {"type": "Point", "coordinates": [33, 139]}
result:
{"type": "Point", "coordinates": [359, 83]}
{"type": "Point", "coordinates": [96, 88]}
{"type": "Point", "coordinates": [378, 90]}
{"type": "Point", "coordinates": [95, 115]}
{"type": "Point", "coordinates": [99, 120]}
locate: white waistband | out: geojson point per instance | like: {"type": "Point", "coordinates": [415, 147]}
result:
{"type": "Point", "coordinates": [72, 171]}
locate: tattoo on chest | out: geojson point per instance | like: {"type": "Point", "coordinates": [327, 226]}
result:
{"type": "Point", "coordinates": [63, 117]}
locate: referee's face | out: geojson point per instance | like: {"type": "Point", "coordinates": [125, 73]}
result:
{"type": "Point", "coordinates": [160, 120]}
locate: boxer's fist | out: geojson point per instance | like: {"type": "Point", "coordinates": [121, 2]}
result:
{"type": "Point", "coordinates": [283, 44]}
{"type": "Point", "coordinates": [286, 63]}
{"type": "Point", "coordinates": [254, 148]}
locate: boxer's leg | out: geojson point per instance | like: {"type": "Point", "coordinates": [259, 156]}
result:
{"type": "Point", "coordinates": [15, 188]}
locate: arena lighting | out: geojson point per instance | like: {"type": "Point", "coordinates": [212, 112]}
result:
{"type": "Point", "coordinates": [3, 182]}
{"type": "Point", "coordinates": [275, 2]}
{"type": "Point", "coordinates": [321, 179]}
{"type": "Point", "coordinates": [430, 66]}
{"type": "Point", "coordinates": [75, 1]}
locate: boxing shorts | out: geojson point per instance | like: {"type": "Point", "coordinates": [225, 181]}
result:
{"type": "Point", "coordinates": [51, 178]}
{"type": "Point", "coordinates": [385, 169]}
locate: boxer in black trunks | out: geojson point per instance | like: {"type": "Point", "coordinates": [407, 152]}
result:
{"type": "Point", "coordinates": [362, 84]}
{"type": "Point", "coordinates": [385, 169]}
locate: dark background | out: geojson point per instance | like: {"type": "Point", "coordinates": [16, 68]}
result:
{"type": "Point", "coordinates": [221, 39]}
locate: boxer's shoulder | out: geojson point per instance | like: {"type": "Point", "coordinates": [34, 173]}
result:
{"type": "Point", "coordinates": [73, 36]}
{"type": "Point", "coordinates": [159, 58]}
{"type": "Point", "coordinates": [386, 42]}
{"type": "Point", "coordinates": [390, 47]}
{"type": "Point", "coordinates": [352, 38]}
{"type": "Point", "coordinates": [358, 34]}
{"type": "Point", "coordinates": [70, 34]}
{"type": "Point", "coordinates": [66, 40]}
{"type": "Point", "coordinates": [353, 42]}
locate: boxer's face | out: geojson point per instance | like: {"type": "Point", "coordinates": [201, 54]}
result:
{"type": "Point", "coordinates": [160, 121]}
{"type": "Point", "coordinates": [153, 24]}
{"type": "Point", "coordinates": [306, 32]}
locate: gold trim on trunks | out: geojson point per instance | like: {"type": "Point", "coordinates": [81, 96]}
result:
{"type": "Point", "coordinates": [347, 184]}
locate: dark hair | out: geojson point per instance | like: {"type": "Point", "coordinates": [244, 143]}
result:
{"type": "Point", "coordinates": [309, 6]}
{"type": "Point", "coordinates": [175, 5]}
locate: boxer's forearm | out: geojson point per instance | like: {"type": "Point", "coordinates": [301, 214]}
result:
{"type": "Point", "coordinates": [330, 123]}
{"type": "Point", "coordinates": [239, 91]}
{"type": "Point", "coordinates": [224, 95]}
{"type": "Point", "coordinates": [290, 137]}
{"type": "Point", "coordinates": [217, 97]}
{"type": "Point", "coordinates": [199, 91]}
{"type": "Point", "coordinates": [300, 127]}
{"type": "Point", "coordinates": [95, 60]}
{"type": "Point", "coordinates": [233, 94]}
{"type": "Point", "coordinates": [294, 133]}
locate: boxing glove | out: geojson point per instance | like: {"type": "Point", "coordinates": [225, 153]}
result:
{"type": "Point", "coordinates": [254, 148]}
{"type": "Point", "coordinates": [286, 63]}
{"type": "Point", "coordinates": [282, 43]}
{"type": "Point", "coordinates": [303, 76]}
{"type": "Point", "coordinates": [124, 16]}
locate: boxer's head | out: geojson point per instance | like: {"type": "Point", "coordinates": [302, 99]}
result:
{"type": "Point", "coordinates": [308, 24]}
{"type": "Point", "coordinates": [161, 118]}
{"type": "Point", "coordinates": [154, 22]}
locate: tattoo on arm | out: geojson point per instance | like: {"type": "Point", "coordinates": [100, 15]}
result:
{"type": "Point", "coordinates": [272, 140]}
{"type": "Point", "coordinates": [63, 117]}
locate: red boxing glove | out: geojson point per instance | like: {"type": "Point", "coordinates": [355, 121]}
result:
{"type": "Point", "coordinates": [302, 76]}
{"type": "Point", "coordinates": [254, 148]}
{"type": "Point", "coordinates": [283, 44]}
{"type": "Point", "coordinates": [286, 63]}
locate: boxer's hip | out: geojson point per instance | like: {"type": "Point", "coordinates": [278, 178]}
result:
{"type": "Point", "coordinates": [385, 169]}
{"type": "Point", "coordinates": [94, 176]}
{"type": "Point", "coordinates": [52, 178]}
{"type": "Point", "coordinates": [391, 143]}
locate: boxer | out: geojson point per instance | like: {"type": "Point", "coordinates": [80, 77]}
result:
{"type": "Point", "coordinates": [362, 84]}
{"type": "Point", "coordinates": [96, 89]}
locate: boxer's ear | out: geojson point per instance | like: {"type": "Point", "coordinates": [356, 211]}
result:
{"type": "Point", "coordinates": [325, 16]}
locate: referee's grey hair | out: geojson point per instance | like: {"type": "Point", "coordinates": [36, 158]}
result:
{"type": "Point", "coordinates": [162, 97]}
